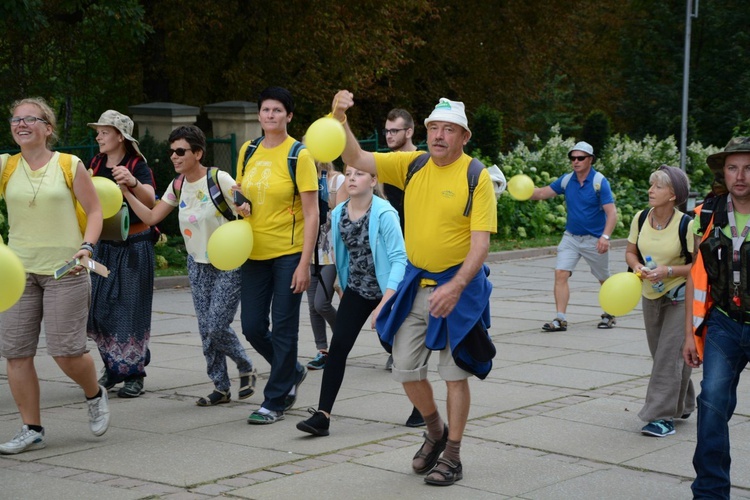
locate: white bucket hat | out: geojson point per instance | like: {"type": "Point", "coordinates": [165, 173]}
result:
{"type": "Point", "coordinates": [122, 123]}
{"type": "Point", "coordinates": [449, 111]}
{"type": "Point", "coordinates": [583, 146]}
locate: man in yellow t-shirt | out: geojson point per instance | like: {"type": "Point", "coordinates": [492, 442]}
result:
{"type": "Point", "coordinates": [445, 274]}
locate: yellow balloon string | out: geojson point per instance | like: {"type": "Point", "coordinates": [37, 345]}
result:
{"type": "Point", "coordinates": [330, 115]}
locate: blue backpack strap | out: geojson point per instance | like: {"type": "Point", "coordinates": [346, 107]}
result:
{"type": "Point", "coordinates": [249, 151]}
{"type": "Point", "coordinates": [217, 197]}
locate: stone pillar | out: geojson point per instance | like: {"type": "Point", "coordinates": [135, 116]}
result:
{"type": "Point", "coordinates": [234, 117]}
{"type": "Point", "coordinates": [161, 118]}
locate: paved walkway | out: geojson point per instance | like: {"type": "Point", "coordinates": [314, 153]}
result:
{"type": "Point", "coordinates": [556, 418]}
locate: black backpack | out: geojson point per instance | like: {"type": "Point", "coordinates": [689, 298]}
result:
{"type": "Point", "coordinates": [214, 192]}
{"type": "Point", "coordinates": [683, 232]}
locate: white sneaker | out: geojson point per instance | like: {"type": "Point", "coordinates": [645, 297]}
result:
{"type": "Point", "coordinates": [99, 413]}
{"type": "Point", "coordinates": [25, 440]}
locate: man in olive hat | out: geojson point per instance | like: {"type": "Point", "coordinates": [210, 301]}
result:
{"type": "Point", "coordinates": [717, 303]}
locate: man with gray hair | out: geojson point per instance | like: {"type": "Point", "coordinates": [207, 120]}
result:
{"type": "Point", "coordinates": [591, 219]}
{"type": "Point", "coordinates": [442, 304]}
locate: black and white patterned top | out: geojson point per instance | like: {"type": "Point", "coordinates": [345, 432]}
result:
{"type": "Point", "coordinates": [356, 237]}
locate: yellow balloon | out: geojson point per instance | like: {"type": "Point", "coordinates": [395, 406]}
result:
{"type": "Point", "coordinates": [620, 293]}
{"type": "Point", "coordinates": [521, 187]}
{"type": "Point", "coordinates": [109, 194]}
{"type": "Point", "coordinates": [326, 139]}
{"type": "Point", "coordinates": [230, 245]}
{"type": "Point", "coordinates": [12, 277]}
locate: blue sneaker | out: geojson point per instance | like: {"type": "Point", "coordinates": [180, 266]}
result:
{"type": "Point", "coordinates": [319, 362]}
{"type": "Point", "coordinates": [659, 428]}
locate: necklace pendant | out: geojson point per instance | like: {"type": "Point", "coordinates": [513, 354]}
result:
{"type": "Point", "coordinates": [32, 203]}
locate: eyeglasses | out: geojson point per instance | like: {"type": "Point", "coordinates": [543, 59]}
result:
{"type": "Point", "coordinates": [578, 158]}
{"type": "Point", "coordinates": [393, 131]}
{"type": "Point", "coordinates": [179, 151]}
{"type": "Point", "coordinates": [28, 120]}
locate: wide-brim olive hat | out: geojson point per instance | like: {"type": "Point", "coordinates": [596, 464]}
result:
{"type": "Point", "coordinates": [735, 145]}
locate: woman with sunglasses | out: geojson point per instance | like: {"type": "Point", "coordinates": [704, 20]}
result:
{"type": "Point", "coordinates": [120, 314]}
{"type": "Point", "coordinates": [216, 293]}
{"type": "Point", "coordinates": [40, 188]}
{"type": "Point", "coordinates": [371, 259]}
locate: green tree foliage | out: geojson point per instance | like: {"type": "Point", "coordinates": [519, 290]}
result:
{"type": "Point", "coordinates": [597, 129]}
{"type": "Point", "coordinates": [487, 132]}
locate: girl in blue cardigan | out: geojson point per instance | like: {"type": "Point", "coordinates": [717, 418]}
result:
{"type": "Point", "coordinates": [370, 258]}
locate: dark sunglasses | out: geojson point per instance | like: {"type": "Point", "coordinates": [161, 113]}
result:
{"type": "Point", "coordinates": [578, 158]}
{"type": "Point", "coordinates": [178, 151]}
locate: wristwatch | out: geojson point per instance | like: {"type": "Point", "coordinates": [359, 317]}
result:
{"type": "Point", "coordinates": [669, 271]}
{"type": "Point", "coordinates": [605, 236]}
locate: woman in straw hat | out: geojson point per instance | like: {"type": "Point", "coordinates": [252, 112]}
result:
{"type": "Point", "coordinates": [120, 314]}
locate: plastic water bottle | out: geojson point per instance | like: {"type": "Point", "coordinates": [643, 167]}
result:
{"type": "Point", "coordinates": [659, 285]}
{"type": "Point", "coordinates": [323, 186]}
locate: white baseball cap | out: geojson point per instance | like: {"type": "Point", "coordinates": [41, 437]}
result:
{"type": "Point", "coordinates": [583, 146]}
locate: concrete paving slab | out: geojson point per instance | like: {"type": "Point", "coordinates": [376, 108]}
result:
{"type": "Point", "coordinates": [538, 373]}
{"type": "Point", "coordinates": [18, 485]}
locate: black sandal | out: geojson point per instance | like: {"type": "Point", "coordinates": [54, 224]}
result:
{"type": "Point", "coordinates": [450, 472]}
{"type": "Point", "coordinates": [431, 458]}
{"type": "Point", "coordinates": [247, 384]}
{"type": "Point", "coordinates": [607, 322]}
{"type": "Point", "coordinates": [556, 325]}
{"type": "Point", "coordinates": [213, 399]}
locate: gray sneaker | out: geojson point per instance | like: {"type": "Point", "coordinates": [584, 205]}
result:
{"type": "Point", "coordinates": [99, 413]}
{"type": "Point", "coordinates": [25, 440]}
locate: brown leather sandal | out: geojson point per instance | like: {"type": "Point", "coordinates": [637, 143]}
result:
{"type": "Point", "coordinates": [430, 458]}
{"type": "Point", "coordinates": [556, 325]}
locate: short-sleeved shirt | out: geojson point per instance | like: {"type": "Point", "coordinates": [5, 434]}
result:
{"type": "Point", "coordinates": [46, 235]}
{"type": "Point", "coordinates": [277, 218]}
{"type": "Point", "coordinates": [584, 204]}
{"type": "Point", "coordinates": [438, 235]}
{"type": "Point", "coordinates": [664, 247]}
{"type": "Point", "coordinates": [198, 215]}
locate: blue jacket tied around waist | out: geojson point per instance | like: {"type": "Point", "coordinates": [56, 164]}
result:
{"type": "Point", "coordinates": [465, 327]}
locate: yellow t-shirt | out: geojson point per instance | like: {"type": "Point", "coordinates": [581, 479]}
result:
{"type": "Point", "coordinates": [664, 247]}
{"type": "Point", "coordinates": [278, 224]}
{"type": "Point", "coordinates": [45, 235]}
{"type": "Point", "coordinates": [438, 236]}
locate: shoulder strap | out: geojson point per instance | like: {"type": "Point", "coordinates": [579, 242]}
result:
{"type": "Point", "coordinates": [641, 220]}
{"type": "Point", "coordinates": [96, 163]}
{"type": "Point", "coordinates": [472, 174]}
{"type": "Point", "coordinates": [714, 205]}
{"type": "Point", "coordinates": [10, 167]}
{"type": "Point", "coordinates": [566, 180]}
{"type": "Point", "coordinates": [249, 151]}
{"type": "Point", "coordinates": [217, 197]}
{"type": "Point", "coordinates": [66, 164]}
{"type": "Point", "coordinates": [415, 166]}
{"type": "Point", "coordinates": [177, 186]}
{"type": "Point", "coordinates": [292, 163]}
{"type": "Point", "coordinates": [684, 222]}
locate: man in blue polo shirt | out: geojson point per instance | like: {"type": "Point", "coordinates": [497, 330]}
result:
{"type": "Point", "coordinates": [591, 219]}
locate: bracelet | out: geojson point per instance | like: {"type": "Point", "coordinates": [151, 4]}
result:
{"type": "Point", "coordinates": [134, 185]}
{"type": "Point", "coordinates": [606, 237]}
{"type": "Point", "coordinates": [88, 247]}
{"type": "Point", "coordinates": [343, 121]}
{"type": "Point", "coordinates": [669, 271]}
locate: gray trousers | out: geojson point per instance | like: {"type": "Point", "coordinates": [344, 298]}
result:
{"type": "Point", "coordinates": [670, 391]}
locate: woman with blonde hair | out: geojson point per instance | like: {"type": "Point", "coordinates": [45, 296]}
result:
{"type": "Point", "coordinates": [41, 188]}
{"type": "Point", "coordinates": [656, 233]}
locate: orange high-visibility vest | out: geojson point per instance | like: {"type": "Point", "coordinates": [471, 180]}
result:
{"type": "Point", "coordinates": [702, 301]}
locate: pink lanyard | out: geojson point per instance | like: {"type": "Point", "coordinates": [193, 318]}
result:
{"type": "Point", "coordinates": [737, 240]}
